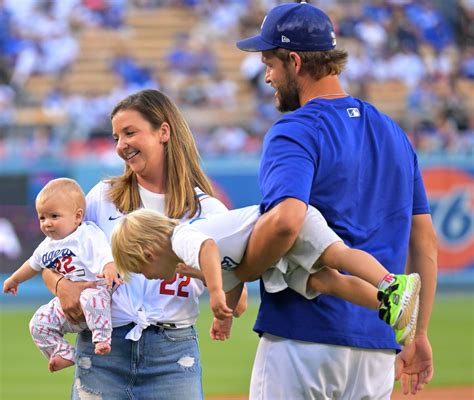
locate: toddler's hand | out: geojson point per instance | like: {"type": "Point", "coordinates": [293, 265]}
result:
{"type": "Point", "coordinates": [10, 286]}
{"type": "Point", "coordinates": [220, 328]}
{"type": "Point", "coordinates": [111, 276]}
{"type": "Point", "coordinates": [218, 305]}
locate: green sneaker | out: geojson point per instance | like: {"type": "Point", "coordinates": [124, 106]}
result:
{"type": "Point", "coordinates": [397, 302]}
{"type": "Point", "coordinates": [405, 336]}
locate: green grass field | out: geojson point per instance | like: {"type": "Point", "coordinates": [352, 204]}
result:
{"type": "Point", "coordinates": [226, 365]}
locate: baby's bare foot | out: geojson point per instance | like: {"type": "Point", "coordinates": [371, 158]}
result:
{"type": "Point", "coordinates": [58, 363]}
{"type": "Point", "coordinates": [102, 348]}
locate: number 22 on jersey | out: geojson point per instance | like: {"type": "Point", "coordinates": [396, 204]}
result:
{"type": "Point", "coordinates": [169, 288]}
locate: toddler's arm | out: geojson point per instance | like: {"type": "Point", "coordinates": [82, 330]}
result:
{"type": "Point", "coordinates": [22, 274]}
{"type": "Point", "coordinates": [237, 300]}
{"type": "Point", "coordinates": [209, 261]}
{"type": "Point", "coordinates": [186, 270]}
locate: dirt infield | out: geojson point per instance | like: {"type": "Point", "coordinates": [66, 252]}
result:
{"type": "Point", "coordinates": [449, 393]}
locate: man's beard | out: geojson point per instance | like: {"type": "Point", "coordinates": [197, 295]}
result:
{"type": "Point", "coordinates": [288, 98]}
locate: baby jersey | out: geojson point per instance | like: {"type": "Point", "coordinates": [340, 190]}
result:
{"type": "Point", "coordinates": [80, 256]}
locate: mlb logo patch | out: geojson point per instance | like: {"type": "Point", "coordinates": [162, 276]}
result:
{"type": "Point", "coordinates": [353, 112]}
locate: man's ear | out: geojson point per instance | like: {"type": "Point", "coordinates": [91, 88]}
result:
{"type": "Point", "coordinates": [295, 61]}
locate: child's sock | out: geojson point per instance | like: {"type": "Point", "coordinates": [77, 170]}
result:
{"type": "Point", "coordinates": [386, 282]}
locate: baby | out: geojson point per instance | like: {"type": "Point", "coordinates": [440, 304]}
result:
{"type": "Point", "coordinates": [78, 251]}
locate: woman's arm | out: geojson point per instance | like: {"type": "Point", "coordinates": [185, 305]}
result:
{"type": "Point", "coordinates": [68, 293]}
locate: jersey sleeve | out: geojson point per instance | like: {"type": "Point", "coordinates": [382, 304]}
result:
{"type": "Point", "coordinates": [287, 168]}
{"type": "Point", "coordinates": [209, 204]}
{"type": "Point", "coordinates": [186, 242]}
{"type": "Point", "coordinates": [35, 259]}
{"type": "Point", "coordinates": [420, 199]}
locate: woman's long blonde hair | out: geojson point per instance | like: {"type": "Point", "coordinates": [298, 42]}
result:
{"type": "Point", "coordinates": [183, 171]}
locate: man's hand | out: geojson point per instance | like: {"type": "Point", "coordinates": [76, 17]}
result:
{"type": "Point", "coordinates": [69, 294]}
{"type": "Point", "coordinates": [414, 365]}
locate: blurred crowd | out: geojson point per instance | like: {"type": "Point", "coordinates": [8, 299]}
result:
{"type": "Point", "coordinates": [426, 45]}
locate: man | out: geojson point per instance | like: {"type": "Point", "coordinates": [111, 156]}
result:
{"type": "Point", "coordinates": [358, 168]}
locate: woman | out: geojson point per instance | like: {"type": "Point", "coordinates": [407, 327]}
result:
{"type": "Point", "coordinates": [155, 352]}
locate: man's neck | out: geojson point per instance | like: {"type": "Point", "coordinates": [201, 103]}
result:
{"type": "Point", "coordinates": [328, 87]}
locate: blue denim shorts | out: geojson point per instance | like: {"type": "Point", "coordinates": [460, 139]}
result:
{"type": "Point", "coordinates": [163, 364]}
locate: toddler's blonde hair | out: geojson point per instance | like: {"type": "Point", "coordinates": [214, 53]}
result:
{"type": "Point", "coordinates": [137, 234]}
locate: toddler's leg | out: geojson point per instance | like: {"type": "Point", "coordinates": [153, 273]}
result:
{"type": "Point", "coordinates": [356, 262]}
{"type": "Point", "coordinates": [350, 288]}
{"type": "Point", "coordinates": [96, 306]}
{"type": "Point", "coordinates": [47, 327]}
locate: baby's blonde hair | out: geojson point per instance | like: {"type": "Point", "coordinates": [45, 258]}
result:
{"type": "Point", "coordinates": [137, 234]}
{"type": "Point", "coordinates": [65, 187]}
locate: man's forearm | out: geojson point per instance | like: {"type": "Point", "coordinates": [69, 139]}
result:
{"type": "Point", "coordinates": [423, 260]}
{"type": "Point", "coordinates": [272, 237]}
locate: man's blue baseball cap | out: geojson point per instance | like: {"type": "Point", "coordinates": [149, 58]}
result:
{"type": "Point", "coordinates": [293, 26]}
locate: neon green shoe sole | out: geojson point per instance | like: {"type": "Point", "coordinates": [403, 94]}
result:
{"type": "Point", "coordinates": [405, 336]}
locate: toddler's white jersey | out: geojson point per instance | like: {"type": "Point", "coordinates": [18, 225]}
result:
{"type": "Point", "coordinates": [231, 232]}
{"type": "Point", "coordinates": [79, 257]}
{"type": "Point", "coordinates": [141, 300]}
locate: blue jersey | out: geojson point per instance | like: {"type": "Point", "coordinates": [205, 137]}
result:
{"type": "Point", "coordinates": [358, 168]}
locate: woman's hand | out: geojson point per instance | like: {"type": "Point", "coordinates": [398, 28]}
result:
{"type": "Point", "coordinates": [69, 293]}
